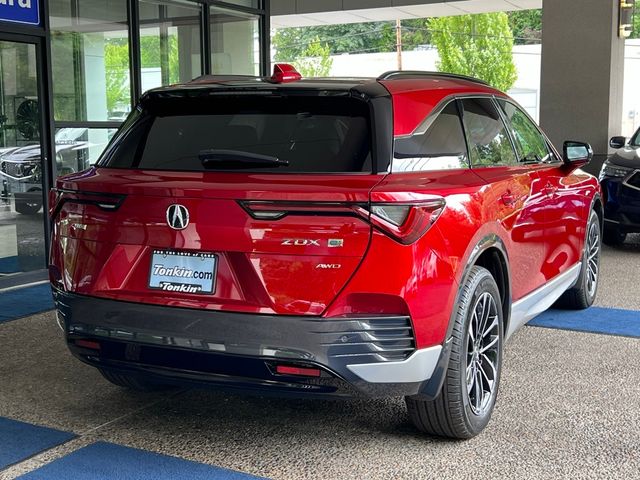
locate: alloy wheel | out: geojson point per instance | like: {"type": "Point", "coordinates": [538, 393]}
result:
{"type": "Point", "coordinates": [483, 354]}
{"type": "Point", "coordinates": [593, 258]}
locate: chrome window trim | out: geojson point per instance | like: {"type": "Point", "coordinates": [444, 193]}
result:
{"type": "Point", "coordinates": [552, 151]}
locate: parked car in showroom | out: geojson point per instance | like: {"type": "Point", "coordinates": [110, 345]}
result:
{"type": "Point", "coordinates": [21, 168]}
{"type": "Point", "coordinates": [324, 237]}
{"type": "Point", "coordinates": [620, 180]}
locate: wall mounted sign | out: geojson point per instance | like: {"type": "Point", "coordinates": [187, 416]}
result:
{"type": "Point", "coordinates": [20, 11]}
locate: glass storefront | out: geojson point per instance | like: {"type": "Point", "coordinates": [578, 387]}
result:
{"type": "Point", "coordinates": [90, 59]}
{"type": "Point", "coordinates": [22, 236]}
{"type": "Point", "coordinates": [235, 42]}
{"type": "Point", "coordinates": [68, 83]}
{"type": "Point", "coordinates": [170, 33]}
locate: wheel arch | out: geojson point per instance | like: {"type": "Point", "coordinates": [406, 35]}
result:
{"type": "Point", "coordinates": [490, 253]}
{"type": "Point", "coordinates": [598, 206]}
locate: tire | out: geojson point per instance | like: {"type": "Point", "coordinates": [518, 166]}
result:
{"type": "Point", "coordinates": [459, 411]}
{"type": "Point", "coordinates": [132, 382]}
{"type": "Point", "coordinates": [26, 208]}
{"type": "Point", "coordinates": [583, 294]}
{"type": "Point", "coordinates": [613, 236]}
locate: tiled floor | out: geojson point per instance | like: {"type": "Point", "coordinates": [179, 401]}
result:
{"type": "Point", "coordinates": [568, 408]}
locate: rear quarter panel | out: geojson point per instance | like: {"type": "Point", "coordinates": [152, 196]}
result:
{"type": "Point", "coordinates": [427, 274]}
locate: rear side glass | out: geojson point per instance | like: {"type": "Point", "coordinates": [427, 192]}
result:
{"type": "Point", "coordinates": [313, 134]}
{"type": "Point", "coordinates": [441, 147]}
{"type": "Point", "coordinates": [530, 144]}
{"type": "Point", "coordinates": [489, 142]}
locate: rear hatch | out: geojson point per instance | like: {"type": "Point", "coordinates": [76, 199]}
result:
{"type": "Point", "coordinates": [252, 202]}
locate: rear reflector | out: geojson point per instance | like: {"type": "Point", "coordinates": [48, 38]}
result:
{"type": "Point", "coordinates": [91, 345]}
{"type": "Point", "coordinates": [298, 371]}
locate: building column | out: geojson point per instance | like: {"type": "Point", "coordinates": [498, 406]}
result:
{"type": "Point", "coordinates": [582, 73]}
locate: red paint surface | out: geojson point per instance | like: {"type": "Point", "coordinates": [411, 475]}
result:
{"type": "Point", "coordinates": [539, 212]}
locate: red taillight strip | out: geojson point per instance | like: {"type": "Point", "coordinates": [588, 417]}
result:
{"type": "Point", "coordinates": [105, 201]}
{"type": "Point", "coordinates": [421, 215]}
{"type": "Point", "coordinates": [275, 210]}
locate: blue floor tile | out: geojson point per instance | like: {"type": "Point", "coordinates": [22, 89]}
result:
{"type": "Point", "coordinates": [609, 321]}
{"type": "Point", "coordinates": [19, 441]}
{"type": "Point", "coordinates": [25, 301]}
{"type": "Point", "coordinates": [106, 461]}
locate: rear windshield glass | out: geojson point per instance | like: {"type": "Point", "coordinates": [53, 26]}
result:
{"type": "Point", "coordinates": [283, 134]}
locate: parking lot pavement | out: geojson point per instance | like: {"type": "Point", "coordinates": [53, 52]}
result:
{"type": "Point", "coordinates": [568, 408]}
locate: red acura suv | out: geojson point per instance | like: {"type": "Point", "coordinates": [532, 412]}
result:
{"type": "Point", "coordinates": [324, 237]}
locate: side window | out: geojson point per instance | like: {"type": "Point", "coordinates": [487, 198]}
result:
{"type": "Point", "coordinates": [489, 143]}
{"type": "Point", "coordinates": [441, 147]}
{"type": "Point", "coordinates": [531, 145]}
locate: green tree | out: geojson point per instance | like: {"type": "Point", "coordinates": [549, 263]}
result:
{"type": "Point", "coordinates": [291, 43]}
{"type": "Point", "coordinates": [117, 65]}
{"type": "Point", "coordinates": [636, 22]}
{"type": "Point", "coordinates": [526, 26]}
{"type": "Point", "coordinates": [372, 37]}
{"type": "Point", "coordinates": [476, 45]}
{"type": "Point", "coordinates": [315, 60]}
{"type": "Point", "coordinates": [116, 59]}
{"type": "Point", "coordinates": [151, 56]}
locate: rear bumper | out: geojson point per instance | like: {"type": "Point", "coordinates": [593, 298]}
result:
{"type": "Point", "coordinates": [366, 355]}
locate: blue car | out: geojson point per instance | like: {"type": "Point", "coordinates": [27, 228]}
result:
{"type": "Point", "coordinates": [620, 179]}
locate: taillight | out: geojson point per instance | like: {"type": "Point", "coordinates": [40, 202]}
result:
{"type": "Point", "coordinates": [275, 210]}
{"type": "Point", "coordinates": [104, 201]}
{"type": "Point", "coordinates": [406, 223]}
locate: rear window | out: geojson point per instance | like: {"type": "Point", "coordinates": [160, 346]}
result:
{"type": "Point", "coordinates": [322, 134]}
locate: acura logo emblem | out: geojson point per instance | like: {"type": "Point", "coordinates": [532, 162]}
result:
{"type": "Point", "coordinates": [178, 217]}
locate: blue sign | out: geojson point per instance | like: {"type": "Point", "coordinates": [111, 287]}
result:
{"type": "Point", "coordinates": [20, 11]}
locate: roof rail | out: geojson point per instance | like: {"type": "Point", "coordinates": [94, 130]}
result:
{"type": "Point", "coordinates": [421, 74]}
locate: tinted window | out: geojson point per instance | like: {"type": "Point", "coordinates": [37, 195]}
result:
{"type": "Point", "coordinates": [314, 134]}
{"type": "Point", "coordinates": [489, 143]}
{"type": "Point", "coordinates": [441, 147]}
{"type": "Point", "coordinates": [635, 141]}
{"type": "Point", "coordinates": [530, 143]}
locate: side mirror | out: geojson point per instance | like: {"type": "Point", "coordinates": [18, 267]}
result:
{"type": "Point", "coordinates": [577, 153]}
{"type": "Point", "coordinates": [617, 142]}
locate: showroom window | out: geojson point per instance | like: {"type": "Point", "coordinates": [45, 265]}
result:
{"type": "Point", "coordinates": [170, 42]}
{"type": "Point", "coordinates": [90, 59]}
{"type": "Point", "coordinates": [79, 147]}
{"type": "Point", "coordinates": [107, 53]}
{"type": "Point", "coordinates": [235, 42]}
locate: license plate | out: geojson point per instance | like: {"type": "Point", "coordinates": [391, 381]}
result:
{"type": "Point", "coordinates": [183, 272]}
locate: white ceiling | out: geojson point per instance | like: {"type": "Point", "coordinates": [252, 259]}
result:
{"type": "Point", "coordinates": [398, 11]}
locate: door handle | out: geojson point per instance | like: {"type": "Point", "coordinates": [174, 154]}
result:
{"type": "Point", "coordinates": [509, 199]}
